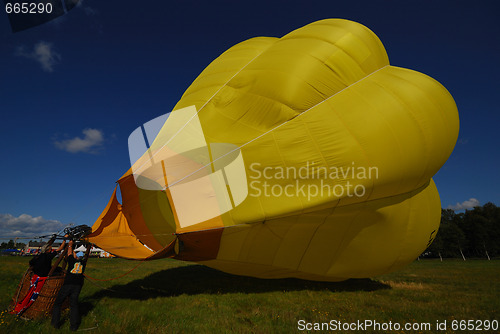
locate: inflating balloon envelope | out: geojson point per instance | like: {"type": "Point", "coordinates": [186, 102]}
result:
{"type": "Point", "coordinates": [304, 156]}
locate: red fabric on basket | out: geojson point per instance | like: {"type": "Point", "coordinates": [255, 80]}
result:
{"type": "Point", "coordinates": [36, 285]}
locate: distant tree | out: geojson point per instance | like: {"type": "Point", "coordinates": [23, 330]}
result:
{"type": "Point", "coordinates": [8, 245]}
{"type": "Point", "coordinates": [449, 239]}
{"type": "Point", "coordinates": [437, 246]}
{"type": "Point", "coordinates": [474, 233]}
{"type": "Point", "coordinates": [483, 229]}
{"type": "Point", "coordinates": [475, 227]}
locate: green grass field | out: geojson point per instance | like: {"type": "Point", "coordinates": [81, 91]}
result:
{"type": "Point", "coordinates": [168, 296]}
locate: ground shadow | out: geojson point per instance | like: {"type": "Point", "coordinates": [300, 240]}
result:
{"type": "Point", "coordinates": [198, 279]}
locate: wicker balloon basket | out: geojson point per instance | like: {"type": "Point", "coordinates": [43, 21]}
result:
{"type": "Point", "coordinates": [42, 306]}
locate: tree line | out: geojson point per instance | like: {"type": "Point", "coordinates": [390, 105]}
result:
{"type": "Point", "coordinates": [473, 233]}
{"type": "Point", "coordinates": [12, 245]}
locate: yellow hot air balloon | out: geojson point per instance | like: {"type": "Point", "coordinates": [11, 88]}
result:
{"type": "Point", "coordinates": [304, 156]}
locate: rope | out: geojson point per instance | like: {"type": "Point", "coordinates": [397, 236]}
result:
{"type": "Point", "coordinates": [111, 279]}
{"type": "Point", "coordinates": [100, 286]}
{"type": "Point", "coordinates": [88, 329]}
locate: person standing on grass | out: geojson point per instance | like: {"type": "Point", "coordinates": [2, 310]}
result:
{"type": "Point", "coordinates": [73, 283]}
{"type": "Point", "coordinates": [42, 263]}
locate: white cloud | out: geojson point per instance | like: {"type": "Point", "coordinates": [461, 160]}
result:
{"type": "Point", "coordinates": [469, 204]}
{"type": "Point", "coordinates": [43, 53]}
{"type": "Point", "coordinates": [90, 143]}
{"type": "Point", "coordinates": [27, 226]}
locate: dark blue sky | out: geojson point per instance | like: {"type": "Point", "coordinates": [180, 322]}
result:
{"type": "Point", "coordinates": [111, 65]}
